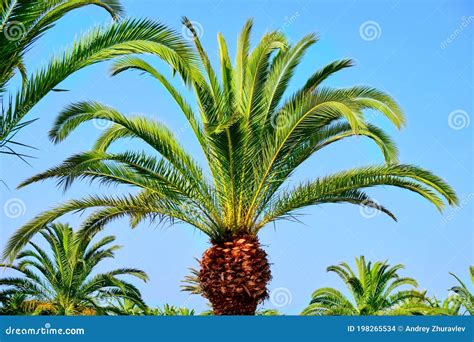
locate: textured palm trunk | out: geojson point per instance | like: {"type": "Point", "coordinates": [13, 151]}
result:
{"type": "Point", "coordinates": [234, 276]}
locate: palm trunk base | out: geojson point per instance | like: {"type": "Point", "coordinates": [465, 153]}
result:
{"type": "Point", "coordinates": [234, 306]}
{"type": "Point", "coordinates": [234, 276]}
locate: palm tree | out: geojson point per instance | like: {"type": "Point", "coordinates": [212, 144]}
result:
{"type": "Point", "coordinates": [125, 307]}
{"type": "Point", "coordinates": [62, 282]}
{"type": "Point", "coordinates": [463, 294]}
{"type": "Point", "coordinates": [268, 312]}
{"type": "Point", "coordinates": [450, 306]}
{"type": "Point", "coordinates": [374, 291]}
{"type": "Point", "coordinates": [22, 22]}
{"type": "Point", "coordinates": [253, 138]}
{"type": "Point", "coordinates": [14, 303]}
{"type": "Point", "coordinates": [170, 310]}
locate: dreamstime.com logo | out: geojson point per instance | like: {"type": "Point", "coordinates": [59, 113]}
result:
{"type": "Point", "coordinates": [14, 30]}
{"type": "Point", "coordinates": [14, 208]}
{"type": "Point", "coordinates": [465, 200]}
{"type": "Point", "coordinates": [370, 209]}
{"type": "Point", "coordinates": [281, 297]}
{"type": "Point", "coordinates": [281, 119]}
{"type": "Point", "coordinates": [198, 28]}
{"type": "Point", "coordinates": [463, 25]}
{"type": "Point", "coordinates": [370, 30]}
{"type": "Point", "coordinates": [46, 330]}
{"type": "Point", "coordinates": [458, 119]}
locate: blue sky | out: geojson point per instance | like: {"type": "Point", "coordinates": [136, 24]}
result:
{"type": "Point", "coordinates": [418, 51]}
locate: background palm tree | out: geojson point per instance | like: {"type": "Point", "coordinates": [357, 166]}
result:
{"type": "Point", "coordinates": [253, 138]}
{"type": "Point", "coordinates": [125, 306]}
{"type": "Point", "coordinates": [61, 281]}
{"type": "Point", "coordinates": [130, 308]}
{"type": "Point", "coordinates": [374, 291]}
{"type": "Point", "coordinates": [463, 294]}
{"type": "Point", "coordinates": [170, 310]}
{"type": "Point", "coordinates": [22, 22]}
{"type": "Point", "coordinates": [424, 305]}
{"type": "Point", "coordinates": [15, 303]}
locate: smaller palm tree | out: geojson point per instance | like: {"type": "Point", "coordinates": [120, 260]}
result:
{"type": "Point", "coordinates": [125, 307]}
{"type": "Point", "coordinates": [14, 303]}
{"type": "Point", "coordinates": [61, 282]}
{"type": "Point", "coordinates": [374, 291]}
{"type": "Point", "coordinates": [463, 295]}
{"type": "Point", "coordinates": [170, 310]}
{"type": "Point", "coordinates": [449, 307]}
{"type": "Point", "coordinates": [427, 306]}
{"type": "Point", "coordinates": [268, 312]}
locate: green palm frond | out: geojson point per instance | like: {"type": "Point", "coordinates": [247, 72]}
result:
{"type": "Point", "coordinates": [170, 310]}
{"type": "Point", "coordinates": [24, 21]}
{"type": "Point", "coordinates": [463, 295]}
{"type": "Point", "coordinates": [191, 282]}
{"type": "Point", "coordinates": [423, 305]}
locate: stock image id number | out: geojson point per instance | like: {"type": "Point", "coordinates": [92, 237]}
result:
{"type": "Point", "coordinates": [372, 328]}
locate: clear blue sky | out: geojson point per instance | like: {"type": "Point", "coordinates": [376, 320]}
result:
{"type": "Point", "coordinates": [409, 56]}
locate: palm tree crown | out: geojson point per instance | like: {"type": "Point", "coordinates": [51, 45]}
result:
{"type": "Point", "coordinates": [62, 281]}
{"type": "Point", "coordinates": [374, 290]}
{"type": "Point", "coordinates": [253, 137]}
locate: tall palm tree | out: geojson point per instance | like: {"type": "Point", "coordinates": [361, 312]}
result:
{"type": "Point", "coordinates": [374, 291]}
{"type": "Point", "coordinates": [463, 294]}
{"type": "Point", "coordinates": [23, 22]}
{"type": "Point", "coordinates": [62, 281]}
{"type": "Point", "coordinates": [253, 138]}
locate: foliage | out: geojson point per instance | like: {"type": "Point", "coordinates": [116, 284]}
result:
{"type": "Point", "coordinates": [422, 305]}
{"type": "Point", "coordinates": [253, 135]}
{"type": "Point", "coordinates": [170, 310]}
{"type": "Point", "coordinates": [61, 280]}
{"type": "Point", "coordinates": [191, 283]}
{"type": "Point", "coordinates": [464, 295]}
{"type": "Point", "coordinates": [268, 312]}
{"type": "Point", "coordinates": [22, 22]}
{"type": "Point", "coordinates": [374, 291]}
{"type": "Point", "coordinates": [127, 307]}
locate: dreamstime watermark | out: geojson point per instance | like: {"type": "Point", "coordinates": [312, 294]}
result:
{"type": "Point", "coordinates": [465, 22]}
{"type": "Point", "coordinates": [288, 21]}
{"type": "Point", "coordinates": [46, 330]}
{"type": "Point", "coordinates": [198, 28]}
{"type": "Point", "coordinates": [101, 122]}
{"type": "Point", "coordinates": [458, 119]}
{"type": "Point", "coordinates": [369, 209]}
{"type": "Point", "coordinates": [14, 208]}
{"type": "Point", "coordinates": [280, 297]}
{"type": "Point", "coordinates": [280, 119]}
{"type": "Point", "coordinates": [14, 30]}
{"type": "Point", "coordinates": [465, 199]}
{"type": "Point", "coordinates": [370, 30]}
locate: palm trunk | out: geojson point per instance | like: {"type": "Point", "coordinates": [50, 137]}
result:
{"type": "Point", "coordinates": [234, 276]}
